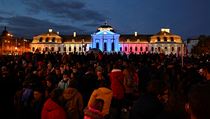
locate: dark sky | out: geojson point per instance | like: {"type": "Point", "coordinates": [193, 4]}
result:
{"type": "Point", "coordinates": [188, 18]}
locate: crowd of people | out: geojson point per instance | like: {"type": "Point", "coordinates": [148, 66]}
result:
{"type": "Point", "coordinates": [104, 86]}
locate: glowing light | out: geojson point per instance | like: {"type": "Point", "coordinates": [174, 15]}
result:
{"type": "Point", "coordinates": [165, 30]}
{"type": "Point", "coordinates": [50, 30]}
{"type": "Point", "coordinates": [135, 33]}
{"type": "Point", "coordinates": [15, 48]}
{"type": "Point", "coordinates": [75, 34]}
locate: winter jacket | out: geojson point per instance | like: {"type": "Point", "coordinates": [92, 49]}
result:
{"type": "Point", "coordinates": [74, 104]}
{"type": "Point", "coordinates": [102, 93]}
{"type": "Point", "coordinates": [52, 110]}
{"type": "Point", "coordinates": [116, 78]}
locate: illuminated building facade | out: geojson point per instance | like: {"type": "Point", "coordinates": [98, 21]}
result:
{"type": "Point", "coordinates": [107, 40]}
{"type": "Point", "coordinates": [11, 45]}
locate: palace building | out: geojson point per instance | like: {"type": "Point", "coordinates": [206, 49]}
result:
{"type": "Point", "coordinates": [107, 40]}
{"type": "Point", "coordinates": [11, 45]}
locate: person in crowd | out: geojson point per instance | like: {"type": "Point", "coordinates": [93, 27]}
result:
{"type": "Point", "coordinates": [117, 86]}
{"type": "Point", "coordinates": [52, 108]}
{"type": "Point", "coordinates": [198, 105]}
{"type": "Point", "coordinates": [37, 103]}
{"type": "Point", "coordinates": [49, 86]}
{"type": "Point", "coordinates": [104, 93]}
{"type": "Point", "coordinates": [95, 110]}
{"type": "Point", "coordinates": [148, 105]}
{"type": "Point", "coordinates": [64, 83]}
{"type": "Point", "coordinates": [74, 102]}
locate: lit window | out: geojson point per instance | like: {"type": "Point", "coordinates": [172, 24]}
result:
{"type": "Point", "coordinates": [47, 39]}
{"type": "Point", "coordinates": [165, 39]}
{"type": "Point", "coordinates": [40, 39]}
{"type": "Point", "coordinates": [52, 48]}
{"type": "Point", "coordinates": [53, 39]}
{"type": "Point", "coordinates": [130, 49]}
{"type": "Point", "coordinates": [158, 39]}
{"type": "Point", "coordinates": [172, 39]}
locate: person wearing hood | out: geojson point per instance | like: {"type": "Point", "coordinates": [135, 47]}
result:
{"type": "Point", "coordinates": [104, 93]}
{"type": "Point", "coordinates": [53, 106]}
{"type": "Point", "coordinates": [74, 102]}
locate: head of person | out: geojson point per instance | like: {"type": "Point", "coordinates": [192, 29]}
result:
{"type": "Point", "coordinates": [198, 105]}
{"type": "Point", "coordinates": [57, 95]}
{"type": "Point", "coordinates": [38, 94]}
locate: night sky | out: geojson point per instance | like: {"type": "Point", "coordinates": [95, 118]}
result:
{"type": "Point", "coordinates": [26, 18]}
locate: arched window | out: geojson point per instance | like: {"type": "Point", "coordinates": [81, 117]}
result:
{"type": "Point", "coordinates": [126, 49]}
{"type": "Point", "coordinates": [59, 49]}
{"type": "Point", "coordinates": [40, 39]}
{"type": "Point", "coordinates": [172, 49]}
{"type": "Point", "coordinates": [165, 39]}
{"type": "Point", "coordinates": [47, 40]}
{"type": "Point", "coordinates": [158, 49]}
{"type": "Point", "coordinates": [146, 48]}
{"type": "Point", "coordinates": [112, 46]}
{"type": "Point", "coordinates": [131, 49]}
{"type": "Point", "coordinates": [52, 49]}
{"type": "Point", "coordinates": [97, 45]}
{"type": "Point", "coordinates": [64, 49]}
{"type": "Point", "coordinates": [53, 39]}
{"type": "Point", "coordinates": [172, 39]}
{"type": "Point", "coordinates": [80, 48]}
{"type": "Point", "coordinates": [120, 48]}
{"type": "Point", "coordinates": [33, 49]}
{"type": "Point", "coordinates": [136, 49]}
{"type": "Point", "coordinates": [152, 49]}
{"type": "Point", "coordinates": [141, 49]}
{"type": "Point", "coordinates": [70, 48]}
{"type": "Point", "coordinates": [75, 48]}
{"type": "Point", "coordinates": [105, 46]}
{"type": "Point", "coordinates": [46, 48]}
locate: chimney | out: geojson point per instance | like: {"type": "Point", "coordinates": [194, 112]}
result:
{"type": "Point", "coordinates": [135, 33]}
{"type": "Point", "coordinates": [75, 34]}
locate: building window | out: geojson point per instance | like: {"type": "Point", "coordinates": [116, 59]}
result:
{"type": "Point", "coordinates": [172, 39]}
{"type": "Point", "coordinates": [46, 49]}
{"type": "Point", "coordinates": [47, 39]}
{"type": "Point", "coordinates": [141, 49]}
{"type": "Point", "coordinates": [33, 49]}
{"type": "Point", "coordinates": [74, 48]}
{"type": "Point", "coordinates": [146, 48]}
{"type": "Point", "coordinates": [52, 49]}
{"type": "Point", "coordinates": [40, 39]}
{"type": "Point", "coordinates": [59, 49]}
{"type": "Point", "coordinates": [70, 48]}
{"type": "Point", "coordinates": [64, 49]}
{"type": "Point", "coordinates": [105, 46]}
{"type": "Point", "coordinates": [152, 49]}
{"type": "Point", "coordinates": [112, 46]}
{"type": "Point", "coordinates": [158, 39]}
{"type": "Point", "coordinates": [166, 48]}
{"type": "Point", "coordinates": [165, 39]}
{"type": "Point", "coordinates": [120, 48]}
{"type": "Point", "coordinates": [97, 45]}
{"type": "Point", "coordinates": [126, 49]}
{"type": "Point", "coordinates": [136, 48]}
{"type": "Point", "coordinates": [130, 49]}
{"type": "Point", "coordinates": [80, 48]}
{"type": "Point", "coordinates": [159, 49]}
{"type": "Point", "coordinates": [172, 49]}
{"type": "Point", "coordinates": [53, 39]}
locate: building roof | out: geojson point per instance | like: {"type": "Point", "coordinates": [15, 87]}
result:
{"type": "Point", "coordinates": [133, 38]}
{"type": "Point", "coordinates": [78, 38]}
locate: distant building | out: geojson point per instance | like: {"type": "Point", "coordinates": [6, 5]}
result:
{"type": "Point", "coordinates": [107, 40]}
{"type": "Point", "coordinates": [11, 45]}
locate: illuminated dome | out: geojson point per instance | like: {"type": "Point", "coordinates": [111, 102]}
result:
{"type": "Point", "coordinates": [105, 27]}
